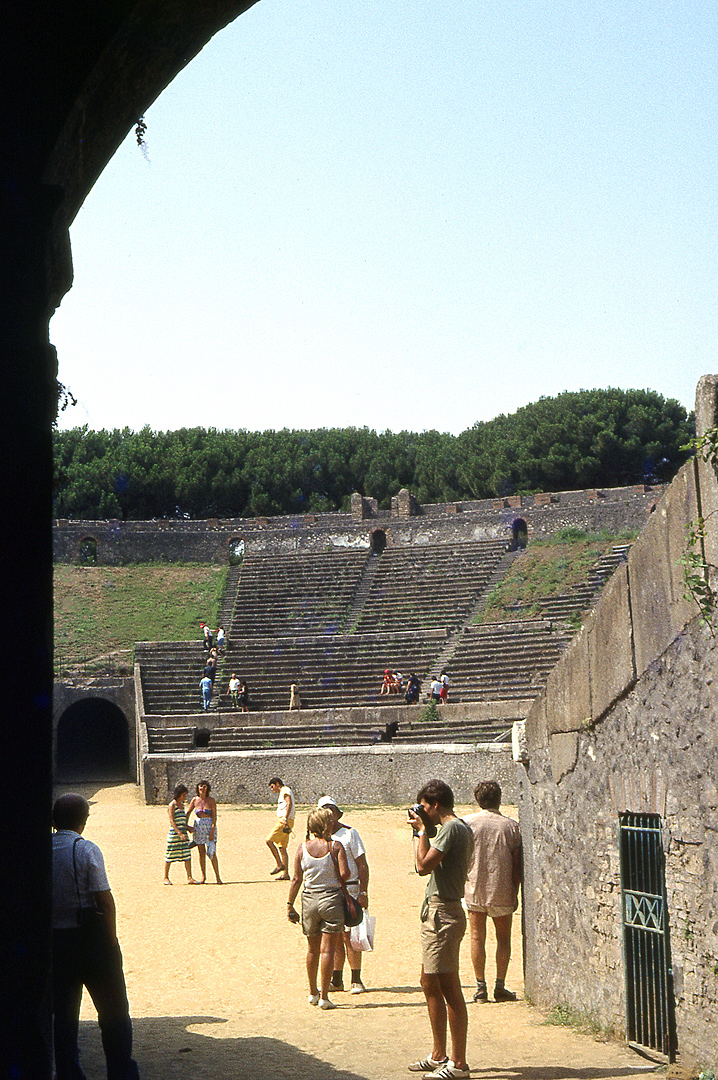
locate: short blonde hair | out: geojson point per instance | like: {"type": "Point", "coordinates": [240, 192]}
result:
{"type": "Point", "coordinates": [319, 824]}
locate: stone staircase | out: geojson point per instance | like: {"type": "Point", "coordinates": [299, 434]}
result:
{"type": "Point", "coordinates": [504, 661]}
{"type": "Point", "coordinates": [431, 586]}
{"type": "Point", "coordinates": [185, 739]}
{"type": "Point", "coordinates": [295, 594]}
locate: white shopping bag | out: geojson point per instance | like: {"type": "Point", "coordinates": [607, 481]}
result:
{"type": "Point", "coordinates": [362, 937]}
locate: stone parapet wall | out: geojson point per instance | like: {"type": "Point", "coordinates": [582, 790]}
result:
{"type": "Point", "coordinates": [628, 722]}
{"type": "Point", "coordinates": [210, 541]}
{"type": "Point", "coordinates": [359, 714]}
{"type": "Point", "coordinates": [363, 776]}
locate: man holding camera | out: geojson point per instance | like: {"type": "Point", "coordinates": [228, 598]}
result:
{"type": "Point", "coordinates": [445, 861]}
{"type": "Point", "coordinates": [85, 950]}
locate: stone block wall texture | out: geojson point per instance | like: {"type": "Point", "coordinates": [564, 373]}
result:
{"type": "Point", "coordinates": [628, 721]}
{"type": "Point", "coordinates": [361, 776]}
{"type": "Point", "coordinates": [616, 509]}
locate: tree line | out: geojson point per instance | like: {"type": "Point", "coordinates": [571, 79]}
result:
{"type": "Point", "coordinates": [587, 438]}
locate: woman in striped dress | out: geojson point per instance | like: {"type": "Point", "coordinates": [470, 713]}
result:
{"type": "Point", "coordinates": [178, 849]}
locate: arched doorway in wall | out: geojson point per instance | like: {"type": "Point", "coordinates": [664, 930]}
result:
{"type": "Point", "coordinates": [378, 541]}
{"type": "Point", "coordinates": [93, 742]}
{"type": "Point", "coordinates": [236, 551]}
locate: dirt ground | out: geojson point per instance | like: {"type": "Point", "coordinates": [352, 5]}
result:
{"type": "Point", "coordinates": [216, 975]}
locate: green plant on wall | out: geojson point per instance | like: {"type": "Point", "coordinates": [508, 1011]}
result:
{"type": "Point", "coordinates": [696, 571]}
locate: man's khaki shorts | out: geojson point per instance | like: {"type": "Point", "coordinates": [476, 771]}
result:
{"type": "Point", "coordinates": [492, 912]}
{"type": "Point", "coordinates": [441, 935]}
{"type": "Point", "coordinates": [278, 836]}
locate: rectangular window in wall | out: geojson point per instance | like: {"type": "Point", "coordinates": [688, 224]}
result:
{"type": "Point", "coordinates": [650, 1007]}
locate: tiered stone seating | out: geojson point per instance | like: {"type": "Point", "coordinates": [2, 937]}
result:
{"type": "Point", "coordinates": [429, 586]}
{"type": "Point", "coordinates": [504, 661]}
{"type": "Point", "coordinates": [567, 606]}
{"type": "Point", "coordinates": [331, 671]}
{"type": "Point", "coordinates": [170, 672]}
{"type": "Point", "coordinates": [289, 595]}
{"type": "Point", "coordinates": [184, 739]}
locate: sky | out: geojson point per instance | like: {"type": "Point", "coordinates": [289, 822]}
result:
{"type": "Point", "coordinates": [405, 215]}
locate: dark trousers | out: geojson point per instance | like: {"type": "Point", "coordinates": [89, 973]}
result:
{"type": "Point", "coordinates": [85, 957]}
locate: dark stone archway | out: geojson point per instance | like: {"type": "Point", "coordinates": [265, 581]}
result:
{"type": "Point", "coordinates": [93, 742]}
{"type": "Point", "coordinates": [75, 78]}
{"type": "Point", "coordinates": [378, 541]}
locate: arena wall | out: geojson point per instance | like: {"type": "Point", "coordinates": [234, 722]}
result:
{"type": "Point", "coordinates": [210, 541]}
{"type": "Point", "coordinates": [384, 775]}
{"type": "Point", "coordinates": [627, 722]}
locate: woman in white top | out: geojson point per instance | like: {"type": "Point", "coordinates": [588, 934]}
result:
{"type": "Point", "coordinates": [319, 863]}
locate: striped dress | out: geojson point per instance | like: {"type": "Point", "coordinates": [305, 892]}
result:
{"type": "Point", "coordinates": [178, 849]}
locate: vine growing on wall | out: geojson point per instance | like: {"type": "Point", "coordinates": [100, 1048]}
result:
{"type": "Point", "coordinates": [696, 571]}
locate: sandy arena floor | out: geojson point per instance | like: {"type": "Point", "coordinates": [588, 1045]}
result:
{"type": "Point", "coordinates": [216, 976]}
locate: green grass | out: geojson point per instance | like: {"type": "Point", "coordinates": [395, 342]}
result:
{"type": "Point", "coordinates": [547, 568]}
{"type": "Point", "coordinates": [563, 1015]}
{"type": "Point", "coordinates": [105, 609]}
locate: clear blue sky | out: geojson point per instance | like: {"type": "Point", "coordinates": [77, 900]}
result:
{"type": "Point", "coordinates": [405, 214]}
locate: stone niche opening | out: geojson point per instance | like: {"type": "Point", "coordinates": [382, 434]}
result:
{"type": "Point", "coordinates": [93, 742]}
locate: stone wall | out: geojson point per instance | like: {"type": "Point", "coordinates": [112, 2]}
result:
{"type": "Point", "coordinates": [615, 509]}
{"type": "Point", "coordinates": [627, 722]}
{"type": "Point", "coordinates": [364, 775]}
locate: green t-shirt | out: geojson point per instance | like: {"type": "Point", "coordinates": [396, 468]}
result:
{"type": "Point", "coordinates": [447, 880]}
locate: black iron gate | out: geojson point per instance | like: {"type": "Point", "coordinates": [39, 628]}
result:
{"type": "Point", "coordinates": [650, 1017]}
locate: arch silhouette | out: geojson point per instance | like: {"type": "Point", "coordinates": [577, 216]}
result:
{"type": "Point", "coordinates": [93, 741]}
{"type": "Point", "coordinates": [81, 75]}
{"type": "Point", "coordinates": [378, 541]}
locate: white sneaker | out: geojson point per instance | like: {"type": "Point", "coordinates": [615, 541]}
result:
{"type": "Point", "coordinates": [358, 988]}
{"type": "Point", "coordinates": [313, 999]}
{"type": "Point", "coordinates": [427, 1065]}
{"type": "Point", "coordinates": [325, 1003]}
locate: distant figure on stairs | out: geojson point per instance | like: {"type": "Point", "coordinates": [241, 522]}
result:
{"type": "Point", "coordinates": [444, 692]}
{"type": "Point", "coordinates": [436, 691]}
{"type": "Point", "coordinates": [205, 685]}
{"type": "Point", "coordinates": [243, 695]}
{"type": "Point", "coordinates": [519, 535]}
{"type": "Point", "coordinates": [221, 640]}
{"type": "Point", "coordinates": [207, 636]}
{"type": "Point", "coordinates": [233, 691]}
{"type": "Point", "coordinates": [295, 702]}
{"type": "Point", "coordinates": [413, 690]}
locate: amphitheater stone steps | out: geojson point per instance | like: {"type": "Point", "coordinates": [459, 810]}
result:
{"type": "Point", "coordinates": [194, 737]}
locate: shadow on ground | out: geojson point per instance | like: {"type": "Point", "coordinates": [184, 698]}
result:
{"type": "Point", "coordinates": [165, 1050]}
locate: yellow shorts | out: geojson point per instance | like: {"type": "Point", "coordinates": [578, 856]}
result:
{"type": "Point", "coordinates": [441, 936]}
{"type": "Point", "coordinates": [280, 834]}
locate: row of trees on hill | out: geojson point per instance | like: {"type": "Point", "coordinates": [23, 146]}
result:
{"type": "Point", "coordinates": [589, 438]}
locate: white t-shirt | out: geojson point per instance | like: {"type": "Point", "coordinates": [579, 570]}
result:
{"type": "Point", "coordinates": [282, 804]}
{"type": "Point", "coordinates": [234, 684]}
{"type": "Point", "coordinates": [91, 877]}
{"type": "Point", "coordinates": [351, 841]}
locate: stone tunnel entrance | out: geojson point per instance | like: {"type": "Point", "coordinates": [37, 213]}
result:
{"type": "Point", "coordinates": [93, 742]}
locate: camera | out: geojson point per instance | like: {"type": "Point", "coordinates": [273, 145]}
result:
{"type": "Point", "coordinates": [420, 812]}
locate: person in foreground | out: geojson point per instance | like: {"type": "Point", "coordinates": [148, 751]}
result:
{"type": "Point", "coordinates": [205, 829]}
{"type": "Point", "coordinates": [319, 862]}
{"type": "Point", "coordinates": [278, 839]}
{"type": "Point", "coordinates": [357, 886]}
{"type": "Point", "coordinates": [492, 887]}
{"type": "Point", "coordinates": [445, 860]}
{"type": "Point", "coordinates": [85, 950]}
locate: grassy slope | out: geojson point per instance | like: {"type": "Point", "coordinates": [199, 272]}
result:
{"type": "Point", "coordinates": [103, 609]}
{"type": "Point", "coordinates": [100, 609]}
{"type": "Point", "coordinates": [547, 568]}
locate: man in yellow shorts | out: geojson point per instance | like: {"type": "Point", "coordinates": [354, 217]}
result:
{"type": "Point", "coordinates": [278, 839]}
